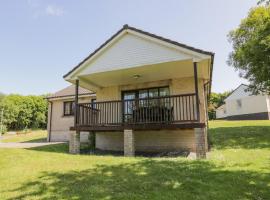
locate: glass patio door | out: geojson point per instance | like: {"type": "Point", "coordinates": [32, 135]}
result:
{"type": "Point", "coordinates": [145, 104]}
{"type": "Point", "coordinates": [129, 105]}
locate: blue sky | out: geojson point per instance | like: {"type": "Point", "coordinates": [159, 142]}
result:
{"type": "Point", "coordinates": [42, 40]}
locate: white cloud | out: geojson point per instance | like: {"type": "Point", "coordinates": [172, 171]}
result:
{"type": "Point", "coordinates": [54, 11]}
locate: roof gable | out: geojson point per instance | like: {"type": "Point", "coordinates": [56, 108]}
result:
{"type": "Point", "coordinates": [132, 47]}
{"type": "Point", "coordinates": [239, 93]}
{"type": "Point", "coordinates": [131, 51]}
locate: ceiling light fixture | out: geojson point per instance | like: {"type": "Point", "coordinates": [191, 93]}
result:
{"type": "Point", "coordinates": [136, 76]}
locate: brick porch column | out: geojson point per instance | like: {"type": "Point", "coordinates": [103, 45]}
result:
{"type": "Point", "coordinates": [201, 148]}
{"type": "Point", "coordinates": [74, 142]}
{"type": "Point", "coordinates": [129, 143]}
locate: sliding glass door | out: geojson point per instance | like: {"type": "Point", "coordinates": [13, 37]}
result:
{"type": "Point", "coordinates": [138, 104]}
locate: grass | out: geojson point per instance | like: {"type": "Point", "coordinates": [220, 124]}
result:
{"type": "Point", "coordinates": [239, 168]}
{"type": "Point", "coordinates": [33, 136]}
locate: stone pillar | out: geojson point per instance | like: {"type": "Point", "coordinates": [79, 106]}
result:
{"type": "Point", "coordinates": [200, 143]}
{"type": "Point", "coordinates": [129, 143]}
{"type": "Point", "coordinates": [74, 142]}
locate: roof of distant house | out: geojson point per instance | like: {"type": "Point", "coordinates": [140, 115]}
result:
{"type": "Point", "coordinates": [70, 92]}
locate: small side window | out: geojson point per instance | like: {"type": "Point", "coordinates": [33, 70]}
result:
{"type": "Point", "coordinates": [69, 108]}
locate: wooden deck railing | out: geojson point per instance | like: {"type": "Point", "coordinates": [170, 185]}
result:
{"type": "Point", "coordinates": [168, 109]}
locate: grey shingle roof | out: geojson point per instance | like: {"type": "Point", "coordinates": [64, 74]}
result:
{"type": "Point", "coordinates": [70, 91]}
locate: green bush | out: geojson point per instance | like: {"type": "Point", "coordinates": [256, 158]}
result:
{"type": "Point", "coordinates": [21, 112]}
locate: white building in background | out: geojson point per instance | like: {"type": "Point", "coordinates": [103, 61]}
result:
{"type": "Point", "coordinates": [242, 105]}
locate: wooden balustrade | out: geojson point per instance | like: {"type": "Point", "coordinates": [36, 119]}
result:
{"type": "Point", "coordinates": [158, 110]}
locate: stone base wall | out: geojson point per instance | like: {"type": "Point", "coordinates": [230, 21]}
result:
{"type": "Point", "coordinates": [63, 136]}
{"type": "Point", "coordinates": [152, 141]}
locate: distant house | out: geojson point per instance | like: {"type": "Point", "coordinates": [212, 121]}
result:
{"type": "Point", "coordinates": [61, 112]}
{"type": "Point", "coordinates": [242, 105]}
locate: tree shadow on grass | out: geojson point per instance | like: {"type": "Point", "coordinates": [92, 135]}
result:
{"type": "Point", "coordinates": [148, 179]}
{"type": "Point", "coordinates": [247, 137]}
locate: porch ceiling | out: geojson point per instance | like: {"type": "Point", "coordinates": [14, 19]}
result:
{"type": "Point", "coordinates": [148, 73]}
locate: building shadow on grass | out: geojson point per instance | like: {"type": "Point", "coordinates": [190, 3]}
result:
{"type": "Point", "coordinates": [55, 148]}
{"type": "Point", "coordinates": [35, 140]}
{"type": "Point", "coordinates": [247, 137]}
{"type": "Point", "coordinates": [148, 179]}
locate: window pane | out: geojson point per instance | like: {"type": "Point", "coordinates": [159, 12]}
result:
{"type": "Point", "coordinates": [129, 95]}
{"type": "Point", "coordinates": [93, 103]}
{"type": "Point", "coordinates": [66, 108]}
{"type": "Point", "coordinates": [164, 91]}
{"type": "Point", "coordinates": [143, 95]}
{"type": "Point", "coordinates": [72, 108]}
{"type": "Point", "coordinates": [129, 105]}
{"type": "Point", "coordinates": [153, 92]}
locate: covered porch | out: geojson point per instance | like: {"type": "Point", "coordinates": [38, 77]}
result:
{"type": "Point", "coordinates": [143, 82]}
{"type": "Point", "coordinates": [134, 106]}
{"type": "Point", "coordinates": [132, 113]}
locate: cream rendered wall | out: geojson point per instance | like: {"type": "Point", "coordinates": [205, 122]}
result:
{"type": "Point", "coordinates": [250, 104]}
{"type": "Point", "coordinates": [60, 124]}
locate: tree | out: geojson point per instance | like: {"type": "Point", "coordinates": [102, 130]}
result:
{"type": "Point", "coordinates": [24, 111]}
{"type": "Point", "coordinates": [251, 49]}
{"type": "Point", "coordinates": [1, 96]}
{"type": "Point", "coordinates": [216, 100]}
{"type": "Point", "coordinates": [267, 2]}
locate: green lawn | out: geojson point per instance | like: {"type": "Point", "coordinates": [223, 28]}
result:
{"type": "Point", "coordinates": [33, 136]}
{"type": "Point", "coordinates": [239, 168]}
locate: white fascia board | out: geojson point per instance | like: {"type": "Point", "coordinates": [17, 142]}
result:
{"type": "Point", "coordinates": [71, 76]}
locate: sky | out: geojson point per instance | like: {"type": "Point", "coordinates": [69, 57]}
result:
{"type": "Point", "coordinates": [41, 40]}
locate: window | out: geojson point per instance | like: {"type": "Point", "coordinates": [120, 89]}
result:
{"type": "Point", "coordinates": [93, 103]}
{"type": "Point", "coordinates": [145, 93]}
{"type": "Point", "coordinates": [69, 108]}
{"type": "Point", "coordinates": [239, 103]}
